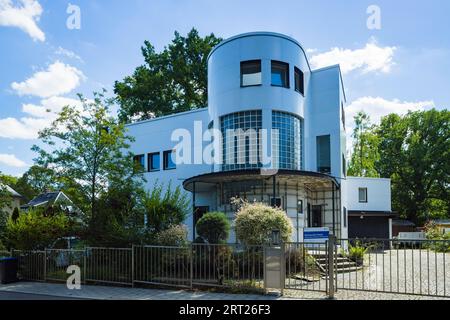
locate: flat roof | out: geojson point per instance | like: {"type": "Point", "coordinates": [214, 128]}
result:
{"type": "Point", "coordinates": [260, 33]}
{"type": "Point", "coordinates": [167, 116]}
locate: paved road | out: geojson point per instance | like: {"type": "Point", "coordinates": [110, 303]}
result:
{"type": "Point", "coordinates": [29, 296]}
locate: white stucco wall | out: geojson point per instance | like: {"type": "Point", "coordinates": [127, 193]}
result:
{"type": "Point", "coordinates": [378, 194]}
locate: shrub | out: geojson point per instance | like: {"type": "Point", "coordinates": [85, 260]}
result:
{"type": "Point", "coordinates": [256, 221]}
{"type": "Point", "coordinates": [164, 209]}
{"type": "Point", "coordinates": [356, 252]}
{"type": "Point", "coordinates": [175, 236]}
{"type": "Point", "coordinates": [213, 227]}
{"type": "Point", "coordinates": [34, 231]}
{"type": "Point", "coordinates": [441, 241]}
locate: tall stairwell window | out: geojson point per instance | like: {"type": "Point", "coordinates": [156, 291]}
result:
{"type": "Point", "coordinates": [323, 154]}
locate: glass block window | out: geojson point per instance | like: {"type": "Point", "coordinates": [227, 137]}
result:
{"type": "Point", "coordinates": [290, 140]}
{"type": "Point", "coordinates": [240, 132]}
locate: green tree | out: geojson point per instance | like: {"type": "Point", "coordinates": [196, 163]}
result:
{"type": "Point", "coordinates": [213, 227]}
{"type": "Point", "coordinates": [414, 153]}
{"type": "Point", "coordinates": [88, 148]}
{"type": "Point", "coordinates": [164, 207]}
{"type": "Point", "coordinates": [171, 81]}
{"type": "Point", "coordinates": [33, 230]}
{"type": "Point", "coordinates": [365, 148]}
{"type": "Point", "coordinates": [35, 181]}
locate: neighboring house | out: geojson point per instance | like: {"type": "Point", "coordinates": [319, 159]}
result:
{"type": "Point", "coordinates": [15, 199]}
{"type": "Point", "coordinates": [443, 225]}
{"type": "Point", "coordinates": [51, 200]}
{"type": "Point", "coordinates": [258, 82]}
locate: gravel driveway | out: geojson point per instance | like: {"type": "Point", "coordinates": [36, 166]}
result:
{"type": "Point", "coordinates": [418, 272]}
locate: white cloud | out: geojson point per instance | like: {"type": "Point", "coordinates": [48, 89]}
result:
{"type": "Point", "coordinates": [12, 161]}
{"type": "Point", "coordinates": [23, 128]}
{"type": "Point", "coordinates": [371, 58]}
{"type": "Point", "coordinates": [377, 107]}
{"type": "Point", "coordinates": [23, 16]}
{"type": "Point", "coordinates": [58, 79]}
{"type": "Point", "coordinates": [49, 108]}
{"type": "Point", "coordinates": [68, 53]}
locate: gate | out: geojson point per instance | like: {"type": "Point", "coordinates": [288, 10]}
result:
{"type": "Point", "coordinates": [413, 267]}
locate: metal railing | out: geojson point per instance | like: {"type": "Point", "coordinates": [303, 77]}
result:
{"type": "Point", "coordinates": [109, 265]}
{"type": "Point", "coordinates": [416, 267]}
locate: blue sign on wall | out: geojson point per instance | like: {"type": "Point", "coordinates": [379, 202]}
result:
{"type": "Point", "coordinates": [315, 234]}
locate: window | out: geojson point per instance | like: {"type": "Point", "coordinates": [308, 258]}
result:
{"type": "Point", "coordinates": [323, 154]}
{"type": "Point", "coordinates": [300, 206]}
{"type": "Point", "coordinates": [280, 74]}
{"type": "Point", "coordinates": [343, 114]}
{"type": "Point", "coordinates": [251, 73]}
{"type": "Point", "coordinates": [154, 162]}
{"type": "Point", "coordinates": [299, 81]}
{"type": "Point", "coordinates": [169, 162]}
{"type": "Point", "coordinates": [345, 217]}
{"type": "Point", "coordinates": [289, 142]}
{"type": "Point", "coordinates": [344, 166]}
{"type": "Point", "coordinates": [139, 160]}
{"type": "Point", "coordinates": [240, 144]}
{"type": "Point", "coordinates": [362, 195]}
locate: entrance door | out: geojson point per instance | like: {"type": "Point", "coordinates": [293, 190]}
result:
{"type": "Point", "coordinates": [316, 217]}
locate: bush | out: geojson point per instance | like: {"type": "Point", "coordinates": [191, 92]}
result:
{"type": "Point", "coordinates": [213, 227]}
{"type": "Point", "coordinates": [441, 241]}
{"type": "Point", "coordinates": [175, 236]}
{"type": "Point", "coordinates": [164, 209]}
{"type": "Point", "coordinates": [256, 221]}
{"type": "Point", "coordinates": [356, 252]}
{"type": "Point", "coordinates": [34, 231]}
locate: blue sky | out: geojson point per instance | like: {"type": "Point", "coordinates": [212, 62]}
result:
{"type": "Point", "coordinates": [43, 64]}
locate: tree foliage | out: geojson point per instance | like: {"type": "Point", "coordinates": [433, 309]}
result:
{"type": "Point", "coordinates": [365, 148]}
{"type": "Point", "coordinates": [164, 207]}
{"type": "Point", "coordinates": [414, 153]}
{"type": "Point", "coordinates": [35, 181]}
{"type": "Point", "coordinates": [87, 149]}
{"type": "Point", "coordinates": [171, 81]}
{"type": "Point", "coordinates": [213, 227]}
{"type": "Point", "coordinates": [255, 222]}
{"type": "Point", "coordinates": [33, 230]}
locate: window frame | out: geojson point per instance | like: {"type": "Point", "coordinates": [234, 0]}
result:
{"type": "Point", "coordinates": [142, 164]}
{"type": "Point", "coordinates": [317, 154]}
{"type": "Point", "coordinates": [242, 74]}
{"type": "Point", "coordinates": [150, 161]}
{"type": "Point", "coordinates": [288, 84]}
{"type": "Point", "coordinates": [166, 153]}
{"type": "Point", "coordinates": [302, 81]}
{"type": "Point", "coordinates": [366, 192]}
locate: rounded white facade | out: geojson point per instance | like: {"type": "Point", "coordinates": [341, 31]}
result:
{"type": "Point", "coordinates": [265, 95]}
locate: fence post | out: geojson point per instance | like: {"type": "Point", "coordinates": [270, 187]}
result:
{"type": "Point", "coordinates": [331, 243]}
{"type": "Point", "coordinates": [45, 264]}
{"type": "Point", "coordinates": [282, 267]}
{"type": "Point", "coordinates": [191, 266]}
{"type": "Point", "coordinates": [85, 265]}
{"type": "Point", "coordinates": [132, 265]}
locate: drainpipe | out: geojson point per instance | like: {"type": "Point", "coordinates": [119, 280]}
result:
{"type": "Point", "coordinates": [274, 181]}
{"type": "Point", "coordinates": [333, 209]}
{"type": "Point", "coordinates": [193, 212]}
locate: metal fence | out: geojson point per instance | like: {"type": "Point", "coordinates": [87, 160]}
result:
{"type": "Point", "coordinates": [417, 267]}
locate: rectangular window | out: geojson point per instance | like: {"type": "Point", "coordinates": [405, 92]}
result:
{"type": "Point", "coordinates": [362, 195]}
{"type": "Point", "coordinates": [323, 154]}
{"type": "Point", "coordinates": [154, 162]}
{"type": "Point", "coordinates": [345, 217]}
{"type": "Point", "coordinates": [169, 162]}
{"type": "Point", "coordinates": [343, 114]}
{"type": "Point", "coordinates": [139, 160]}
{"type": "Point", "coordinates": [275, 202]}
{"type": "Point", "coordinates": [300, 206]}
{"type": "Point", "coordinates": [280, 74]}
{"type": "Point", "coordinates": [344, 166]}
{"type": "Point", "coordinates": [251, 73]}
{"type": "Point", "coordinates": [299, 81]}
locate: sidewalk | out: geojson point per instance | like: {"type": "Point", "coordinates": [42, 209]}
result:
{"type": "Point", "coordinates": [116, 293]}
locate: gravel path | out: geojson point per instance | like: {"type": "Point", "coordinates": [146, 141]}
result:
{"type": "Point", "coordinates": [419, 272]}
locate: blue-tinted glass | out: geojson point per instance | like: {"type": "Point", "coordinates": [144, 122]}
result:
{"type": "Point", "coordinates": [154, 162]}
{"type": "Point", "coordinates": [169, 162]}
{"type": "Point", "coordinates": [277, 79]}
